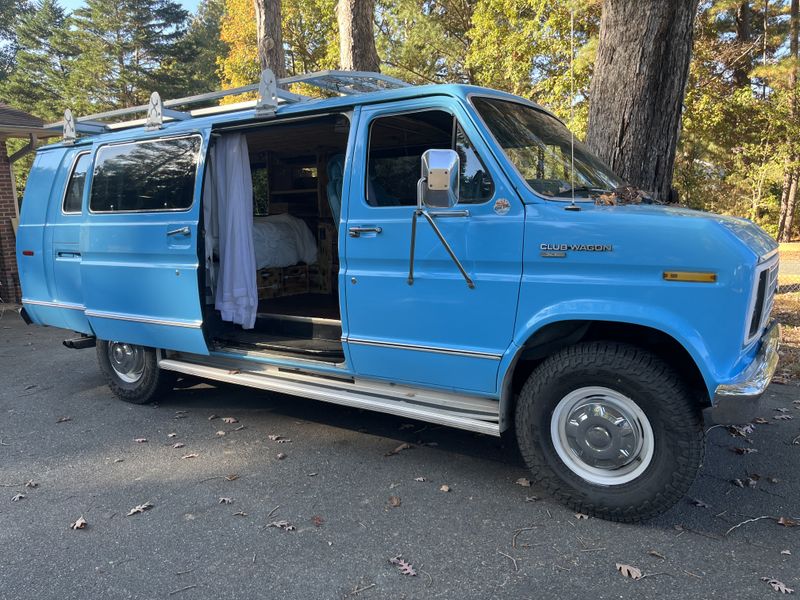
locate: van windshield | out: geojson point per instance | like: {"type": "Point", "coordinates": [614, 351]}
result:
{"type": "Point", "coordinates": [539, 147]}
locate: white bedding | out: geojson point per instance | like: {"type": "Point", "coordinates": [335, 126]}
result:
{"type": "Point", "coordinates": [282, 241]}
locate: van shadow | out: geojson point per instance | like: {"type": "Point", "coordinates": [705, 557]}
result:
{"type": "Point", "coordinates": [190, 393]}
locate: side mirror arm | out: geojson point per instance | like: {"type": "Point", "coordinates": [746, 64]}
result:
{"type": "Point", "coordinates": [417, 212]}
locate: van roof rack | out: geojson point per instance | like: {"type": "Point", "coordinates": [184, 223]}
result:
{"type": "Point", "coordinates": [271, 92]}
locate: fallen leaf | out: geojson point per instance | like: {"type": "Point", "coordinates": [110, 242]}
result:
{"type": "Point", "coordinates": [274, 437]}
{"type": "Point", "coordinates": [317, 521]}
{"type": "Point", "coordinates": [740, 430]}
{"type": "Point", "coordinates": [778, 586]}
{"type": "Point", "coordinates": [240, 514]}
{"type": "Point", "coordinates": [178, 445]}
{"type": "Point", "coordinates": [394, 501]}
{"type": "Point", "coordinates": [785, 552]}
{"type": "Point", "coordinates": [581, 516]}
{"type": "Point", "coordinates": [79, 524]}
{"type": "Point", "coordinates": [212, 417]}
{"type": "Point", "coordinates": [18, 497]}
{"type": "Point", "coordinates": [783, 418]}
{"type": "Point", "coordinates": [657, 554]}
{"type": "Point", "coordinates": [179, 415]}
{"type": "Point", "coordinates": [523, 482]}
{"type": "Point", "coordinates": [311, 474]}
{"type": "Point", "coordinates": [787, 522]}
{"type": "Point", "coordinates": [399, 449]}
{"type": "Point", "coordinates": [119, 460]}
{"type": "Point", "coordinates": [629, 571]}
{"type": "Point", "coordinates": [220, 433]}
{"type": "Point", "coordinates": [699, 503]}
{"type": "Point", "coordinates": [404, 566]}
{"type": "Point", "coordinates": [140, 440]}
{"type": "Point", "coordinates": [285, 525]}
{"type": "Point", "coordinates": [760, 421]}
{"type": "Point", "coordinates": [444, 488]}
{"type": "Point", "coordinates": [781, 409]}
{"type": "Point", "coordinates": [32, 484]}
{"type": "Point", "coordinates": [226, 501]}
{"type": "Point", "coordinates": [63, 419]}
{"type": "Point", "coordinates": [280, 456]}
{"type": "Point", "coordinates": [744, 450]}
{"type": "Point", "coordinates": [172, 435]}
{"type": "Point", "coordinates": [230, 420]}
{"type": "Point", "coordinates": [139, 509]}
{"type": "Point", "coordinates": [531, 498]}
{"type": "Point", "coordinates": [232, 477]}
{"type": "Point", "coordinates": [420, 479]}
{"type": "Point", "coordinates": [192, 455]}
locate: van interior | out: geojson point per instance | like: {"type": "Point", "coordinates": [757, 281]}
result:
{"type": "Point", "coordinates": [297, 172]}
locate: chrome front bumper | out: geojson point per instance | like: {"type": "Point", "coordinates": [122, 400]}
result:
{"type": "Point", "coordinates": [738, 401]}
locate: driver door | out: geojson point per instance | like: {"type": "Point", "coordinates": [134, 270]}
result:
{"type": "Point", "coordinates": [438, 331]}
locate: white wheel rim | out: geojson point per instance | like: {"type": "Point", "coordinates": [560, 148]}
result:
{"type": "Point", "coordinates": [126, 360]}
{"type": "Point", "coordinates": [602, 436]}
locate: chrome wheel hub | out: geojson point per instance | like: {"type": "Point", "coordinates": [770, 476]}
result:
{"type": "Point", "coordinates": [127, 361]}
{"type": "Point", "coordinates": [602, 435]}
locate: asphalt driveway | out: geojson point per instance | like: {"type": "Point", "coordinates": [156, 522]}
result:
{"type": "Point", "coordinates": [340, 508]}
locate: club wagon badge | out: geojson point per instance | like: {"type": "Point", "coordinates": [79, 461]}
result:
{"type": "Point", "coordinates": [502, 206]}
{"type": "Point", "coordinates": [560, 250]}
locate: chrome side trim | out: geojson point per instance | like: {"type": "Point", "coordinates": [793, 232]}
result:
{"type": "Point", "coordinates": [299, 319]}
{"type": "Point", "coordinates": [444, 408]}
{"type": "Point", "coordinates": [142, 319]}
{"type": "Point", "coordinates": [434, 349]}
{"type": "Point", "coordinates": [54, 304]}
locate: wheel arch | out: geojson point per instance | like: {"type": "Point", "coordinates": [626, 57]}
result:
{"type": "Point", "coordinates": [555, 334]}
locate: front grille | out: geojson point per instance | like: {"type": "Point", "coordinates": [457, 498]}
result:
{"type": "Point", "coordinates": [766, 286]}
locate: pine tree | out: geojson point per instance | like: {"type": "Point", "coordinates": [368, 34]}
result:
{"type": "Point", "coordinates": [10, 13]}
{"type": "Point", "coordinates": [38, 80]}
{"type": "Point", "coordinates": [122, 46]}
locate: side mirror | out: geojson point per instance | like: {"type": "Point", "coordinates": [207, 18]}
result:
{"type": "Point", "coordinates": [439, 185]}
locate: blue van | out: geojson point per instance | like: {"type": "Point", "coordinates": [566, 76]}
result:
{"type": "Point", "coordinates": [290, 244]}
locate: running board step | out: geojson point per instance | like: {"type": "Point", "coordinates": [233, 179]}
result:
{"type": "Point", "coordinates": [443, 408]}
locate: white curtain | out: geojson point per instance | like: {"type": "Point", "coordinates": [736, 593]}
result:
{"type": "Point", "coordinates": [228, 213]}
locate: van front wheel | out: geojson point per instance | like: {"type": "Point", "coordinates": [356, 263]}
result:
{"type": "Point", "coordinates": [132, 371]}
{"type": "Point", "coordinates": [610, 430]}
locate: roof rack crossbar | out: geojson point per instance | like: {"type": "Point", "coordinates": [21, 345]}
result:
{"type": "Point", "coordinates": [269, 90]}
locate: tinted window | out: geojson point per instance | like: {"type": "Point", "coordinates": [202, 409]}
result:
{"type": "Point", "coordinates": [145, 176]}
{"type": "Point", "coordinates": [396, 146]}
{"type": "Point", "coordinates": [73, 198]}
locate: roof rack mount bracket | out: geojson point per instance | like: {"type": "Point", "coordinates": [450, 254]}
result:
{"type": "Point", "coordinates": [267, 102]}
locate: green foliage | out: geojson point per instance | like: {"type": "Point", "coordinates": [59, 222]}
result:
{"type": "Point", "coordinates": [122, 45]}
{"type": "Point", "coordinates": [41, 63]}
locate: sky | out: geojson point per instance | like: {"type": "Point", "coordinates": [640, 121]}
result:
{"type": "Point", "coordinates": [70, 5]}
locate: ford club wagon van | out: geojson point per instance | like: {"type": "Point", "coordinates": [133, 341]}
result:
{"type": "Point", "coordinates": [431, 252]}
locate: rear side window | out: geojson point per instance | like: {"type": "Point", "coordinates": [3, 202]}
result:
{"type": "Point", "coordinates": [73, 197]}
{"type": "Point", "coordinates": [145, 176]}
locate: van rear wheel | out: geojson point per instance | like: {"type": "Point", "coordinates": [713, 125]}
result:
{"type": "Point", "coordinates": [132, 371]}
{"type": "Point", "coordinates": [610, 430]}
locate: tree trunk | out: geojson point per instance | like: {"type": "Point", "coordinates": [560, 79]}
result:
{"type": "Point", "coordinates": [270, 40]}
{"type": "Point", "coordinates": [637, 89]}
{"type": "Point", "coordinates": [356, 36]}
{"type": "Point", "coordinates": [792, 173]}
{"type": "Point", "coordinates": [743, 32]}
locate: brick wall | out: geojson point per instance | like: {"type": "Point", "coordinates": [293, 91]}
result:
{"type": "Point", "coordinates": [9, 277]}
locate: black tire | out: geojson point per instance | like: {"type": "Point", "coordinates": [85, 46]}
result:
{"type": "Point", "coordinates": [148, 385]}
{"type": "Point", "coordinates": [672, 414]}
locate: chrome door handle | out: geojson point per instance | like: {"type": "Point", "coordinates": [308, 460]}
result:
{"type": "Point", "coordinates": [180, 231]}
{"type": "Point", "coordinates": [449, 213]}
{"type": "Point", "coordinates": [357, 231]}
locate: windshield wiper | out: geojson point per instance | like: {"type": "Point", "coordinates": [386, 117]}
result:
{"type": "Point", "coordinates": [582, 188]}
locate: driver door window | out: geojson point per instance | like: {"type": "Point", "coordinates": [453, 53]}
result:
{"type": "Point", "coordinates": [396, 145]}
